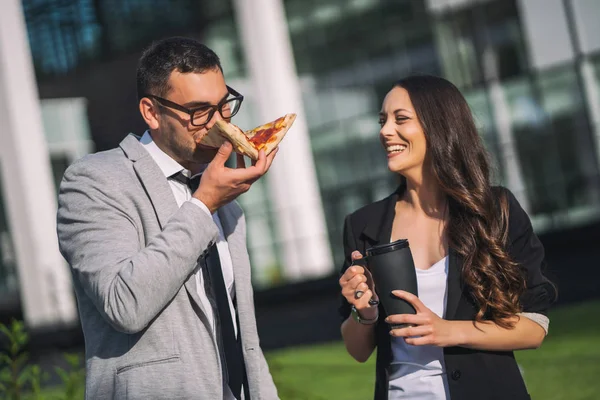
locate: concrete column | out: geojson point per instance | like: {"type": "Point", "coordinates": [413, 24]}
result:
{"type": "Point", "coordinates": [292, 180]}
{"type": "Point", "coordinates": [582, 17]}
{"type": "Point", "coordinates": [44, 279]}
{"type": "Point", "coordinates": [508, 149]}
{"type": "Point", "coordinates": [591, 92]}
{"type": "Point", "coordinates": [502, 120]}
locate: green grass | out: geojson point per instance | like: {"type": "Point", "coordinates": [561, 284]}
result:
{"type": "Point", "coordinates": [567, 366]}
{"type": "Point", "coordinates": [322, 372]}
{"type": "Point", "coordinates": [55, 393]}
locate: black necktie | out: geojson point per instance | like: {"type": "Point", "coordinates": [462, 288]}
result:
{"type": "Point", "coordinates": [234, 358]}
{"type": "Point", "coordinates": [192, 183]}
{"type": "Point", "coordinates": [232, 346]}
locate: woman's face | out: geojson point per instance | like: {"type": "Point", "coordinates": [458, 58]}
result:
{"type": "Point", "coordinates": [401, 133]}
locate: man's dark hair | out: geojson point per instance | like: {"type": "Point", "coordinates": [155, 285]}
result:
{"type": "Point", "coordinates": [172, 54]}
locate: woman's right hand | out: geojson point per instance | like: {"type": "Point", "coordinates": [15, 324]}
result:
{"type": "Point", "coordinates": [358, 288]}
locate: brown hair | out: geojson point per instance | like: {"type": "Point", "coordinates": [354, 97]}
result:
{"type": "Point", "coordinates": [478, 223]}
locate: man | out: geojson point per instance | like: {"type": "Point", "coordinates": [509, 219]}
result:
{"type": "Point", "coordinates": [160, 267]}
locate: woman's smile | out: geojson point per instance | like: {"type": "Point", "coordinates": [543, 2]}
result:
{"type": "Point", "coordinates": [395, 150]}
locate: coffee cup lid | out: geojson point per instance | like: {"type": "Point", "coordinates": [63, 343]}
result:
{"type": "Point", "coordinates": [386, 248]}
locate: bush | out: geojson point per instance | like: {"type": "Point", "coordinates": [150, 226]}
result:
{"type": "Point", "coordinates": [20, 380]}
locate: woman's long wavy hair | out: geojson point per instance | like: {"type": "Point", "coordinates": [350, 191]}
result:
{"type": "Point", "coordinates": [478, 218]}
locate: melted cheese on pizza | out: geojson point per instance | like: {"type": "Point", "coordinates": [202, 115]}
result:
{"type": "Point", "coordinates": [265, 134]}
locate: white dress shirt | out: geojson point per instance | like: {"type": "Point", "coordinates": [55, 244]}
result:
{"type": "Point", "coordinates": [182, 194]}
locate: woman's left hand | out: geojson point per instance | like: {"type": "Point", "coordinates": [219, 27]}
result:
{"type": "Point", "coordinates": [428, 329]}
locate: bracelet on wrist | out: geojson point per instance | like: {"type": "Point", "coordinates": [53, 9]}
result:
{"type": "Point", "coordinates": [358, 318]}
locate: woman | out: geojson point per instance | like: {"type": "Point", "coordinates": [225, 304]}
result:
{"type": "Point", "coordinates": [478, 263]}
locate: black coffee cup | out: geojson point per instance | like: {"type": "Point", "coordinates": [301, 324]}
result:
{"type": "Point", "coordinates": [392, 268]}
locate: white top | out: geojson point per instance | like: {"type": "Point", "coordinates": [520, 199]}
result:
{"type": "Point", "coordinates": [182, 194]}
{"type": "Point", "coordinates": [418, 372]}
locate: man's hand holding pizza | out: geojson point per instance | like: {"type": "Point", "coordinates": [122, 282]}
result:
{"type": "Point", "coordinates": [221, 185]}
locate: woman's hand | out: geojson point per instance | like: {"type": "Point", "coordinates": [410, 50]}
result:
{"type": "Point", "coordinates": [428, 329]}
{"type": "Point", "coordinates": [358, 288]}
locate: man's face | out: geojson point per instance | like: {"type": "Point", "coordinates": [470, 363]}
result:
{"type": "Point", "coordinates": [175, 134]}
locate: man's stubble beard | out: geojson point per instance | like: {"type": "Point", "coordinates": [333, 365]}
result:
{"type": "Point", "coordinates": [186, 151]}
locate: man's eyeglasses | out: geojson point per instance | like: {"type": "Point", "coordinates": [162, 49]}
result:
{"type": "Point", "coordinates": [200, 116]}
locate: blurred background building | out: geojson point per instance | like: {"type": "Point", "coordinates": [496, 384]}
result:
{"type": "Point", "coordinates": [530, 70]}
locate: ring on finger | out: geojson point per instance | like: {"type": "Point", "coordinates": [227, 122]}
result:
{"type": "Point", "coordinates": [358, 294]}
{"type": "Point", "coordinates": [373, 302]}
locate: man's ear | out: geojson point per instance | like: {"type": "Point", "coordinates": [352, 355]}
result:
{"type": "Point", "coordinates": [150, 113]}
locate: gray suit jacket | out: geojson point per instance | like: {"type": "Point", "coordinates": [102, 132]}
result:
{"type": "Point", "coordinates": [133, 253]}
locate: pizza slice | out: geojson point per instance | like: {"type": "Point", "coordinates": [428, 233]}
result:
{"type": "Point", "coordinates": [249, 143]}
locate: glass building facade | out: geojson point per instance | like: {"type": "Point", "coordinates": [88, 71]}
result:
{"type": "Point", "coordinates": [537, 113]}
{"type": "Point", "coordinates": [530, 70]}
{"type": "Point", "coordinates": [66, 36]}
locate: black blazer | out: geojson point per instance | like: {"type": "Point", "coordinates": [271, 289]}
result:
{"type": "Point", "coordinates": [472, 374]}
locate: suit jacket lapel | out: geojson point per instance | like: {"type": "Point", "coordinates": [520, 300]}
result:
{"type": "Point", "coordinates": [234, 232]}
{"type": "Point", "coordinates": [160, 195]}
{"type": "Point", "coordinates": [159, 191]}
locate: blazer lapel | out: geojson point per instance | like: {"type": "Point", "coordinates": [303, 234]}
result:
{"type": "Point", "coordinates": [379, 231]}
{"type": "Point", "coordinates": [379, 227]}
{"type": "Point", "coordinates": [159, 191]}
{"type": "Point", "coordinates": [192, 289]}
{"type": "Point", "coordinates": [161, 196]}
{"type": "Point", "coordinates": [454, 284]}
{"type": "Point", "coordinates": [234, 232]}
